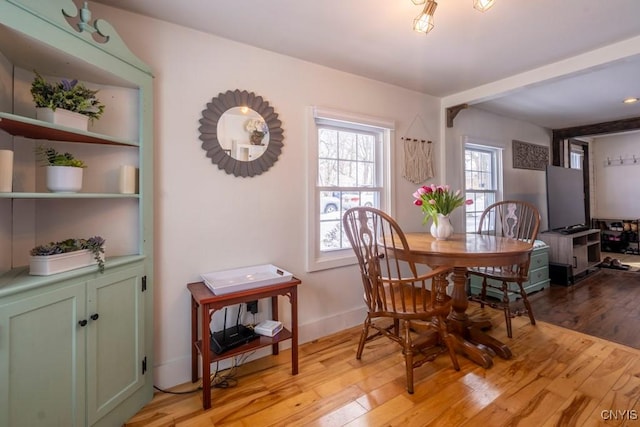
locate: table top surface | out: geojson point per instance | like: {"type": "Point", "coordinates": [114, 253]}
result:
{"type": "Point", "coordinates": [468, 250]}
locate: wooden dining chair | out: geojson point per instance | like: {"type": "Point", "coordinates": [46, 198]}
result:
{"type": "Point", "coordinates": [416, 303]}
{"type": "Point", "coordinates": [516, 220]}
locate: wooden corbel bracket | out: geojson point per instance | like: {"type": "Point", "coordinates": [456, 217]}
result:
{"type": "Point", "coordinates": [452, 112]}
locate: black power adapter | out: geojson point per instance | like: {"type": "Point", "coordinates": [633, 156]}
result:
{"type": "Point", "coordinates": [252, 306]}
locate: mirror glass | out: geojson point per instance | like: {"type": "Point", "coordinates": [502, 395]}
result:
{"type": "Point", "coordinates": [243, 133]}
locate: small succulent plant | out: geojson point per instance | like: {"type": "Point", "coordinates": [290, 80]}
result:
{"type": "Point", "coordinates": [51, 157]}
{"type": "Point", "coordinates": [95, 245]}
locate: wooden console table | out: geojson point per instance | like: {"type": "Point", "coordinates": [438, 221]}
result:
{"type": "Point", "coordinates": [202, 297]}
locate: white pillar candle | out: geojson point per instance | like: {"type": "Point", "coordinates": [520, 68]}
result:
{"type": "Point", "coordinates": [6, 170]}
{"type": "Point", "coordinates": [127, 179]}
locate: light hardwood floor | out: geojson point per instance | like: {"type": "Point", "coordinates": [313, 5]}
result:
{"type": "Point", "coordinates": [557, 377]}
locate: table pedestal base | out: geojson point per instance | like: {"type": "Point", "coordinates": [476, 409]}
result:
{"type": "Point", "coordinates": [471, 340]}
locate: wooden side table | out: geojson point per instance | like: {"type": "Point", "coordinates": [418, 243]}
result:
{"type": "Point", "coordinates": [202, 297]}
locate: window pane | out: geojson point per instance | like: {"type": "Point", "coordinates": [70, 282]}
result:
{"type": "Point", "coordinates": [347, 145]}
{"type": "Point", "coordinates": [331, 236]}
{"type": "Point", "coordinates": [348, 173]}
{"type": "Point", "coordinates": [327, 172]}
{"type": "Point", "coordinates": [327, 143]}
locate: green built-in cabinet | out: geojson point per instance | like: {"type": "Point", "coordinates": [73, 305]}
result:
{"type": "Point", "coordinates": [78, 344]}
{"type": "Point", "coordinates": [75, 347]}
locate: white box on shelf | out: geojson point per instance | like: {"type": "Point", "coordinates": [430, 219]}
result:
{"type": "Point", "coordinates": [268, 328]}
{"type": "Point", "coordinates": [241, 279]}
{"type": "Point", "coordinates": [52, 264]}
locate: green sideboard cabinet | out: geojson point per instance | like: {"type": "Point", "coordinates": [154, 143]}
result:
{"type": "Point", "coordinates": [76, 346]}
{"type": "Point", "coordinates": [538, 276]}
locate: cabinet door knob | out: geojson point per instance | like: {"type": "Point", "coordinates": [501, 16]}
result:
{"type": "Point", "coordinates": [83, 322]}
{"type": "Point", "coordinates": [94, 316]}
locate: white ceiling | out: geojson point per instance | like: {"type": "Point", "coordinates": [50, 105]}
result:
{"type": "Point", "coordinates": [466, 49]}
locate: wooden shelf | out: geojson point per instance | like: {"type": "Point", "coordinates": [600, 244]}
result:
{"type": "Point", "coordinates": [623, 241]}
{"type": "Point", "coordinates": [37, 129]}
{"type": "Point", "coordinates": [257, 343]}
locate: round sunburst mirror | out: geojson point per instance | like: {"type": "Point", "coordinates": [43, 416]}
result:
{"type": "Point", "coordinates": [241, 133]}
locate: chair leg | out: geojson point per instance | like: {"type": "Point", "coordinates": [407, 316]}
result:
{"type": "Point", "coordinates": [447, 339]}
{"type": "Point", "coordinates": [527, 304]}
{"type": "Point", "coordinates": [363, 337]}
{"type": "Point", "coordinates": [506, 308]}
{"type": "Point", "coordinates": [408, 354]}
{"type": "Point", "coordinates": [483, 292]}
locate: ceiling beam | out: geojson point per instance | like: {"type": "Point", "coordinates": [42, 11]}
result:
{"type": "Point", "coordinates": [615, 126]}
{"type": "Point", "coordinates": [598, 128]}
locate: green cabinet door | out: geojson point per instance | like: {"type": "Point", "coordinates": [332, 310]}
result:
{"type": "Point", "coordinates": [115, 339]}
{"type": "Point", "coordinates": [42, 359]}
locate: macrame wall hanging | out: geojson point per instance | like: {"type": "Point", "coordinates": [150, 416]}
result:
{"type": "Point", "coordinates": [418, 156]}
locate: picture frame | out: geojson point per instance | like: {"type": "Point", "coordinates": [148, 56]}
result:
{"type": "Point", "coordinates": [529, 156]}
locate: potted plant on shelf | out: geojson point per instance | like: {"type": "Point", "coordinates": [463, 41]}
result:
{"type": "Point", "coordinates": [66, 103]}
{"type": "Point", "coordinates": [64, 171]}
{"type": "Point", "coordinates": [65, 255]}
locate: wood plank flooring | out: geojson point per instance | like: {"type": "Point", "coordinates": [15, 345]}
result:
{"type": "Point", "coordinates": [557, 377]}
{"type": "Point", "coordinates": [606, 305]}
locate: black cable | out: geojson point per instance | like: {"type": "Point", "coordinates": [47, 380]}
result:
{"type": "Point", "coordinates": [216, 380]}
{"type": "Point", "coordinates": [176, 392]}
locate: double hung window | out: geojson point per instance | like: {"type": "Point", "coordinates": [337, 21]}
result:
{"type": "Point", "coordinates": [350, 168]}
{"type": "Point", "coordinates": [482, 177]}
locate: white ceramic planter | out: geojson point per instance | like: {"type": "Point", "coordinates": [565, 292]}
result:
{"type": "Point", "coordinates": [63, 118]}
{"type": "Point", "coordinates": [64, 179]}
{"type": "Point", "coordinates": [52, 264]}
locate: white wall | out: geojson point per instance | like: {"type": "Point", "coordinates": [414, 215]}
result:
{"type": "Point", "coordinates": [207, 220]}
{"type": "Point", "coordinates": [519, 184]}
{"type": "Point", "coordinates": [616, 190]}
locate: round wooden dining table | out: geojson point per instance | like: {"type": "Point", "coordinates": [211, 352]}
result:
{"type": "Point", "coordinates": [462, 251]}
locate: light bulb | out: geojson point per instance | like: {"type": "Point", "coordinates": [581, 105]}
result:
{"type": "Point", "coordinates": [483, 5]}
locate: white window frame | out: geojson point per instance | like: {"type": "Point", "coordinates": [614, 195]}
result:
{"type": "Point", "coordinates": [316, 259]}
{"type": "Point", "coordinates": [497, 150]}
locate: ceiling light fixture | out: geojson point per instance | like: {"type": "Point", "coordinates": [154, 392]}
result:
{"type": "Point", "coordinates": [631, 100]}
{"type": "Point", "coordinates": [423, 23]}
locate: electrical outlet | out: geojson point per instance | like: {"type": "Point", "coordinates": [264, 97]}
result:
{"type": "Point", "coordinates": [252, 306]}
